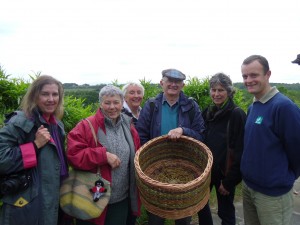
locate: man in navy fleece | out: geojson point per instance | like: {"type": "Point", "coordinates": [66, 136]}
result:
{"type": "Point", "coordinates": [271, 157]}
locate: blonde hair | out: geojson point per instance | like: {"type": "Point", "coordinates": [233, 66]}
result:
{"type": "Point", "coordinates": [29, 101]}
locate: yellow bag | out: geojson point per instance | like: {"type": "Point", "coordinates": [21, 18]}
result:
{"type": "Point", "coordinates": [76, 198]}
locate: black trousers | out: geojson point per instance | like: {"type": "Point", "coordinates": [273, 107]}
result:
{"type": "Point", "coordinates": [226, 209]}
{"type": "Point", "coordinates": [156, 220]}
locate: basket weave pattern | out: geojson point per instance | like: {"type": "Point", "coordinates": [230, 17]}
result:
{"type": "Point", "coordinates": [173, 177]}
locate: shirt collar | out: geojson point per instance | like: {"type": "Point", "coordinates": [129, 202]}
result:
{"type": "Point", "coordinates": [125, 105]}
{"type": "Point", "coordinates": [270, 94]}
{"type": "Point", "coordinates": [164, 99]}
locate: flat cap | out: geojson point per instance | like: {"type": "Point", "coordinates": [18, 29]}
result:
{"type": "Point", "coordinates": [173, 73]}
{"type": "Point", "coordinates": [297, 60]}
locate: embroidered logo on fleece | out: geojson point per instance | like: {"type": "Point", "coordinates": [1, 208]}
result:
{"type": "Point", "coordinates": [259, 120]}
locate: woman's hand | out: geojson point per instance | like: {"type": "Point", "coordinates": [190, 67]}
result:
{"type": "Point", "coordinates": [42, 136]}
{"type": "Point", "coordinates": [222, 190]}
{"type": "Point", "coordinates": [113, 160]}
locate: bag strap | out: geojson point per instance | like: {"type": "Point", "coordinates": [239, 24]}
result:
{"type": "Point", "coordinates": [96, 141]}
{"type": "Point", "coordinates": [93, 131]}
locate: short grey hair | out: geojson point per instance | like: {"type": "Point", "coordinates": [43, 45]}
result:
{"type": "Point", "coordinates": [223, 80]}
{"type": "Point", "coordinates": [125, 87]}
{"type": "Point", "coordinates": [110, 90]}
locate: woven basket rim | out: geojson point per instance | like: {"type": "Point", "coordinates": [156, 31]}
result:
{"type": "Point", "coordinates": [188, 185]}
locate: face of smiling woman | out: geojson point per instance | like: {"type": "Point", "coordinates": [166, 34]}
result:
{"type": "Point", "coordinates": [48, 99]}
{"type": "Point", "coordinates": [218, 94]}
{"type": "Point", "coordinates": [112, 106]}
{"type": "Point", "coordinates": [134, 96]}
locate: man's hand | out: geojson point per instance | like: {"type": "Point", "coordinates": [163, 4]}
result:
{"type": "Point", "coordinates": [175, 133]}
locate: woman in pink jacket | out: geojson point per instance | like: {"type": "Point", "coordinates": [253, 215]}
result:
{"type": "Point", "coordinates": [118, 141]}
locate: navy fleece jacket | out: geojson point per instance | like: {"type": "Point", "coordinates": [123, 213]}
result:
{"type": "Point", "coordinates": [271, 157]}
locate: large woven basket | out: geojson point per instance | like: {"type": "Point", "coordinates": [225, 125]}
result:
{"type": "Point", "coordinates": [173, 177]}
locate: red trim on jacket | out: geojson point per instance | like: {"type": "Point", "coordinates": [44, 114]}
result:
{"type": "Point", "coordinates": [28, 155]}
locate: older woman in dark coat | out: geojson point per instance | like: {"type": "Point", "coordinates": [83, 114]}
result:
{"type": "Point", "coordinates": [224, 134]}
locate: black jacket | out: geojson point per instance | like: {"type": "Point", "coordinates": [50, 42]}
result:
{"type": "Point", "coordinates": [224, 132]}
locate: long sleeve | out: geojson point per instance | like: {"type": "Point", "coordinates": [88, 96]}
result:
{"type": "Point", "coordinates": [82, 151]}
{"type": "Point", "coordinates": [236, 140]}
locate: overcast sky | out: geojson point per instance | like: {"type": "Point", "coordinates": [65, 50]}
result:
{"type": "Point", "coordinates": [100, 41]}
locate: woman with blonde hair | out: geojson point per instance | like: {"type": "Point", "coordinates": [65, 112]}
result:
{"type": "Point", "coordinates": [32, 159]}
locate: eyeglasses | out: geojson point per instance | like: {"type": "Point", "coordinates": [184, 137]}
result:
{"type": "Point", "coordinates": [171, 80]}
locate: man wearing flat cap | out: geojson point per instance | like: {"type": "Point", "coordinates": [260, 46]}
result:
{"type": "Point", "coordinates": [170, 113]}
{"type": "Point", "coordinates": [297, 60]}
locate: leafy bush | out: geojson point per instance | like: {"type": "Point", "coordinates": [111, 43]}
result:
{"type": "Point", "coordinates": [11, 92]}
{"type": "Point", "coordinates": [199, 90]}
{"type": "Point", "coordinates": [75, 110]}
{"type": "Point", "coordinates": [151, 90]}
{"type": "Point", "coordinates": [90, 95]}
{"type": "Point", "coordinates": [240, 99]}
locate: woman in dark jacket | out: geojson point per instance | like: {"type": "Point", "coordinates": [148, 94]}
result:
{"type": "Point", "coordinates": [224, 136]}
{"type": "Point", "coordinates": [32, 159]}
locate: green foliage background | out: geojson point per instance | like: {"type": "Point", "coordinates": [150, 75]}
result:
{"type": "Point", "coordinates": [11, 92]}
